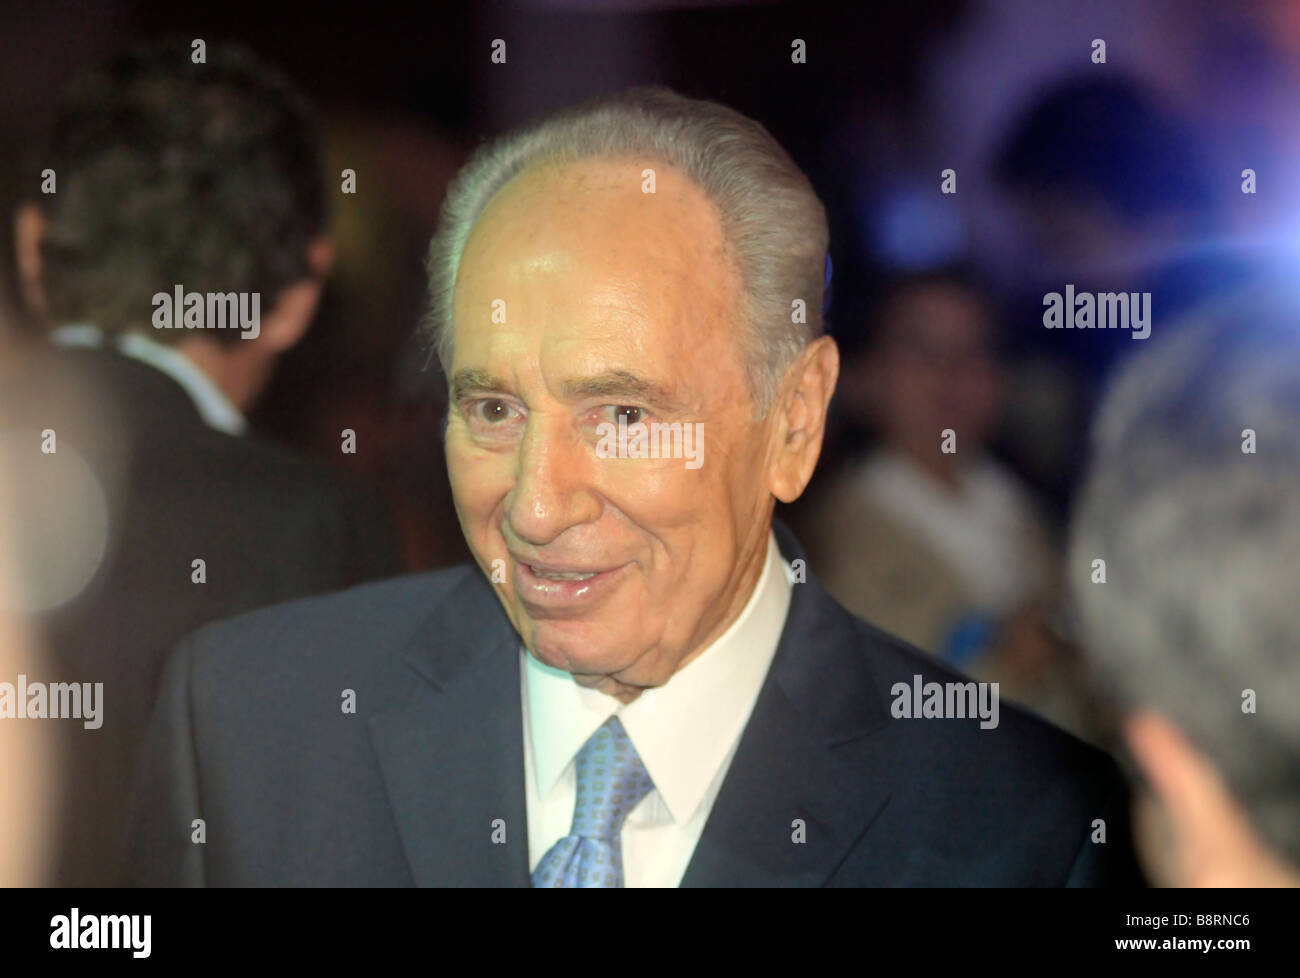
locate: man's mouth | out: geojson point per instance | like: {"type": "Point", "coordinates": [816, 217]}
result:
{"type": "Point", "coordinates": [561, 589]}
{"type": "Point", "coordinates": [562, 575]}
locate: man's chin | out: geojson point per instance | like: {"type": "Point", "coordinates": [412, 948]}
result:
{"type": "Point", "coordinates": [576, 648]}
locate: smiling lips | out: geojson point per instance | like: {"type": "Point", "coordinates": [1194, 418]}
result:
{"type": "Point", "coordinates": [555, 588]}
{"type": "Point", "coordinates": [562, 575]}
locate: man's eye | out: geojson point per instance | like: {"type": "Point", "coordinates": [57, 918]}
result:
{"type": "Point", "coordinates": [490, 411]}
{"type": "Point", "coordinates": [628, 413]}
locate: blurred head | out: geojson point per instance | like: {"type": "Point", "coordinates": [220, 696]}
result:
{"type": "Point", "coordinates": [567, 295]}
{"type": "Point", "coordinates": [931, 364]}
{"type": "Point", "coordinates": [207, 176]}
{"type": "Point", "coordinates": [1103, 174]}
{"type": "Point", "coordinates": [1197, 627]}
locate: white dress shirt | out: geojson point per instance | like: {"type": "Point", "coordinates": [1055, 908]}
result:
{"type": "Point", "coordinates": [214, 407]}
{"type": "Point", "coordinates": [685, 732]}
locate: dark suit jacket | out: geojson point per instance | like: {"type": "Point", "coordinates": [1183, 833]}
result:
{"type": "Point", "coordinates": [250, 737]}
{"type": "Point", "coordinates": [270, 525]}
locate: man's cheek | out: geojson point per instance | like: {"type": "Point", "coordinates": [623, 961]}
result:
{"type": "Point", "coordinates": [652, 487]}
{"type": "Point", "coordinates": [476, 482]}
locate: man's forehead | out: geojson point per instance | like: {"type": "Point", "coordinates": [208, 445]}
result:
{"type": "Point", "coordinates": [580, 297]}
{"type": "Point", "coordinates": [623, 196]}
{"type": "Point", "coordinates": [622, 173]}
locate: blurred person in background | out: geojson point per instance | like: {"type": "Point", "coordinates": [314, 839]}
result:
{"type": "Point", "coordinates": [943, 547]}
{"type": "Point", "coordinates": [1115, 193]}
{"type": "Point", "coordinates": [1103, 184]}
{"type": "Point", "coordinates": [1112, 186]}
{"type": "Point", "coordinates": [171, 175]}
{"type": "Point", "coordinates": [1192, 504]}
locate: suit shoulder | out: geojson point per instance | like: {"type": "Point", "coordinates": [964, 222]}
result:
{"type": "Point", "coordinates": [1015, 802]}
{"type": "Point", "coordinates": [1021, 739]}
{"type": "Point", "coordinates": [376, 617]}
{"type": "Point", "coordinates": [257, 465]}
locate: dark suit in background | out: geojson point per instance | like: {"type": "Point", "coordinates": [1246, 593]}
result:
{"type": "Point", "coordinates": [269, 524]}
{"type": "Point", "coordinates": [251, 737]}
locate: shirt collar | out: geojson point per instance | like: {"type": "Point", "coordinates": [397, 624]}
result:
{"type": "Point", "coordinates": [684, 730]}
{"type": "Point", "coordinates": [214, 407]}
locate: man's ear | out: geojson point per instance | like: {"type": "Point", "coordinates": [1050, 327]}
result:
{"type": "Point", "coordinates": [800, 423]}
{"type": "Point", "coordinates": [29, 234]}
{"type": "Point", "coordinates": [287, 321]}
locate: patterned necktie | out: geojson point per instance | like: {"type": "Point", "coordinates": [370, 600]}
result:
{"type": "Point", "coordinates": [611, 780]}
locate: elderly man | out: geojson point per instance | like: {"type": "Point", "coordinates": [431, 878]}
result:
{"type": "Point", "coordinates": [640, 684]}
{"type": "Point", "coordinates": [1192, 506]}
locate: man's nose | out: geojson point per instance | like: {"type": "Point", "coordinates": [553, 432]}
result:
{"type": "Point", "coordinates": [553, 482]}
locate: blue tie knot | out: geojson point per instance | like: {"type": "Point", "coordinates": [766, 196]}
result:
{"type": "Point", "coordinates": [611, 781]}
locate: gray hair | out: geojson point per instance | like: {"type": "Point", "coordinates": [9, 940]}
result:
{"type": "Point", "coordinates": [773, 221]}
{"type": "Point", "coordinates": [1202, 545]}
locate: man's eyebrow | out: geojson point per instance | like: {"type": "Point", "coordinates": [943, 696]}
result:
{"type": "Point", "coordinates": [472, 380]}
{"type": "Point", "coordinates": [622, 386]}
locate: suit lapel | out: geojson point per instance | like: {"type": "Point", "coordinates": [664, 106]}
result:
{"type": "Point", "coordinates": [805, 784]}
{"type": "Point", "coordinates": [452, 754]}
